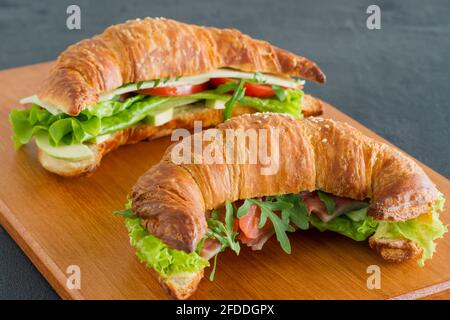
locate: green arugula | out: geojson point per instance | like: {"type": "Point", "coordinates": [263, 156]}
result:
{"type": "Point", "coordinates": [280, 225]}
{"type": "Point", "coordinates": [327, 201]}
{"type": "Point", "coordinates": [199, 247]}
{"type": "Point", "coordinates": [291, 210]}
{"type": "Point", "coordinates": [238, 94]}
{"type": "Point", "coordinates": [139, 85]}
{"type": "Point", "coordinates": [156, 83]}
{"type": "Point", "coordinates": [223, 233]}
{"type": "Point", "coordinates": [226, 87]}
{"type": "Point", "coordinates": [128, 211]}
{"type": "Point", "coordinates": [213, 271]}
{"type": "Point", "coordinates": [298, 213]}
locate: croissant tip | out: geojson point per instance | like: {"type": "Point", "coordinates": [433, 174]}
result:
{"type": "Point", "coordinates": [322, 78]}
{"type": "Point", "coordinates": [319, 76]}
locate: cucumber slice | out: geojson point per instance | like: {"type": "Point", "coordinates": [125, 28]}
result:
{"type": "Point", "coordinates": [215, 104]}
{"type": "Point", "coordinates": [73, 152]}
{"type": "Point", "coordinates": [159, 118]}
{"type": "Point", "coordinates": [164, 113]}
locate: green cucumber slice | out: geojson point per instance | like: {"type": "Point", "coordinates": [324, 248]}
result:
{"type": "Point", "coordinates": [74, 152]}
{"type": "Point", "coordinates": [215, 104]}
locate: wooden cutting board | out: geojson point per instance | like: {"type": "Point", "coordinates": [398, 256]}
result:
{"type": "Point", "coordinates": [61, 222]}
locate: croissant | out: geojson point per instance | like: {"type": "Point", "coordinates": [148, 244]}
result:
{"type": "Point", "coordinates": [140, 50]}
{"type": "Point", "coordinates": [173, 200]}
{"type": "Point", "coordinates": [156, 58]}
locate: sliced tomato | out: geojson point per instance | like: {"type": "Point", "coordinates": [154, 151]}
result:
{"type": "Point", "coordinates": [181, 90]}
{"type": "Point", "coordinates": [249, 224]}
{"type": "Point", "coordinates": [215, 82]}
{"type": "Point", "coordinates": [251, 89]}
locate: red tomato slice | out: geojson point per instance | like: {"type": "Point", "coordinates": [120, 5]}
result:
{"type": "Point", "coordinates": [181, 90]}
{"type": "Point", "coordinates": [249, 224]}
{"type": "Point", "coordinates": [251, 89]}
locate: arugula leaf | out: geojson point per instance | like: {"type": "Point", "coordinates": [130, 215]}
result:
{"type": "Point", "coordinates": [291, 209]}
{"type": "Point", "coordinates": [213, 271]}
{"type": "Point", "coordinates": [223, 233]}
{"type": "Point", "coordinates": [243, 209]}
{"type": "Point", "coordinates": [236, 97]}
{"type": "Point", "coordinates": [298, 214]}
{"type": "Point", "coordinates": [200, 244]}
{"type": "Point", "coordinates": [229, 217]}
{"type": "Point", "coordinates": [128, 211]}
{"type": "Point", "coordinates": [280, 225]}
{"type": "Point", "coordinates": [139, 85]}
{"type": "Point", "coordinates": [226, 87]}
{"type": "Point", "coordinates": [156, 83]}
{"type": "Point", "coordinates": [280, 93]}
{"type": "Point", "coordinates": [327, 201]}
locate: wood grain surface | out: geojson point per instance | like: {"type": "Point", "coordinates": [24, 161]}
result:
{"type": "Point", "coordinates": [60, 222]}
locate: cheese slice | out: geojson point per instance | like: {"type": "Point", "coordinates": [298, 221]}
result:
{"type": "Point", "coordinates": [189, 80]}
{"type": "Point", "coordinates": [202, 78]}
{"type": "Point", "coordinates": [35, 99]}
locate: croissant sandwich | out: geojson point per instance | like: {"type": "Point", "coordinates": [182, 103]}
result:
{"type": "Point", "coordinates": [328, 176]}
{"type": "Point", "coordinates": [143, 78]}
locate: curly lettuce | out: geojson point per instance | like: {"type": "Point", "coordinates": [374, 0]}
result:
{"type": "Point", "coordinates": [423, 230]}
{"type": "Point", "coordinates": [354, 224]}
{"type": "Point", "coordinates": [113, 115]}
{"type": "Point", "coordinates": [156, 255]}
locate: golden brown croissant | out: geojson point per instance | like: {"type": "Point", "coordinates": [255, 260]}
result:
{"type": "Point", "coordinates": [174, 199]}
{"type": "Point", "coordinates": [315, 154]}
{"type": "Point", "coordinates": [147, 49]}
{"type": "Point", "coordinates": [135, 59]}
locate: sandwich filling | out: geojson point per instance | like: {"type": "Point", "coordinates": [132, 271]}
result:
{"type": "Point", "coordinates": [253, 221]}
{"type": "Point", "coordinates": [153, 103]}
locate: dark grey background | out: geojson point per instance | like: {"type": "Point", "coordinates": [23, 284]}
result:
{"type": "Point", "coordinates": [395, 80]}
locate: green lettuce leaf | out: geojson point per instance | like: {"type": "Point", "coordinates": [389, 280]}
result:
{"type": "Point", "coordinates": [156, 255]}
{"type": "Point", "coordinates": [422, 230]}
{"type": "Point", "coordinates": [355, 224]}
{"type": "Point", "coordinates": [110, 116]}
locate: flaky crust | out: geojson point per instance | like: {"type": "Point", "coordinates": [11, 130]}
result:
{"type": "Point", "coordinates": [208, 117]}
{"type": "Point", "coordinates": [314, 154]}
{"type": "Point", "coordinates": [181, 286]}
{"type": "Point", "coordinates": [140, 50]}
{"type": "Point", "coordinates": [397, 250]}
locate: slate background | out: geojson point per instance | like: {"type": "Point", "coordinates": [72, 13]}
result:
{"type": "Point", "coordinates": [395, 80]}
